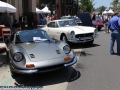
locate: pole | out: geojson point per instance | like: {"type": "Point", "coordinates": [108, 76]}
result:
{"type": "Point", "coordinates": [77, 5]}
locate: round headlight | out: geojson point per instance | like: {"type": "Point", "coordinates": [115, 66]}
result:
{"type": "Point", "coordinates": [67, 49]}
{"type": "Point", "coordinates": [72, 34]}
{"type": "Point", "coordinates": [18, 57]}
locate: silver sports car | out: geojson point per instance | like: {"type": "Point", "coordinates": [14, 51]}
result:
{"type": "Point", "coordinates": [33, 51]}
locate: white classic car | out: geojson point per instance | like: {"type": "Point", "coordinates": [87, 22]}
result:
{"type": "Point", "coordinates": [69, 31]}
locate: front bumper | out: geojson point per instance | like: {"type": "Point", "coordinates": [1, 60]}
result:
{"type": "Point", "coordinates": [31, 71]}
{"type": "Point", "coordinates": [83, 40]}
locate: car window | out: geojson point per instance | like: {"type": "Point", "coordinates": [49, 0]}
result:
{"type": "Point", "coordinates": [52, 24]}
{"type": "Point", "coordinates": [65, 23]}
{"type": "Point", "coordinates": [32, 36]}
{"type": "Point", "coordinates": [49, 25]}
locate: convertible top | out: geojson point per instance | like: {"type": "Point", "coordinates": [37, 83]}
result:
{"type": "Point", "coordinates": [85, 18]}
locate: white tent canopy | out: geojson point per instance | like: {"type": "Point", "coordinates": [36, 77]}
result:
{"type": "Point", "coordinates": [5, 7]}
{"type": "Point", "coordinates": [110, 11]}
{"type": "Point", "coordinates": [38, 10]}
{"type": "Point", "coordinates": [105, 12]}
{"type": "Point", "coordinates": [46, 10]}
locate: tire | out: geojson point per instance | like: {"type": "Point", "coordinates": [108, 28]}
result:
{"type": "Point", "coordinates": [13, 74]}
{"type": "Point", "coordinates": [64, 38]}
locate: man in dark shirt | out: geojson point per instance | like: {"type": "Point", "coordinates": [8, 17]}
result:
{"type": "Point", "coordinates": [21, 20]}
{"type": "Point", "coordinates": [16, 26]}
{"type": "Point", "coordinates": [114, 26]}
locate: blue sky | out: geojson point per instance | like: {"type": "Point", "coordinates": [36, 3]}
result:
{"type": "Point", "coordinates": [102, 2]}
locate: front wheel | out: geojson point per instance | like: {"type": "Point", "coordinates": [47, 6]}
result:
{"type": "Point", "coordinates": [13, 74]}
{"type": "Point", "coordinates": [64, 38]}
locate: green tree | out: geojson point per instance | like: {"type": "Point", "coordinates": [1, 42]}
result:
{"type": "Point", "coordinates": [115, 4]}
{"type": "Point", "coordinates": [87, 5]}
{"type": "Point", "coordinates": [100, 9]}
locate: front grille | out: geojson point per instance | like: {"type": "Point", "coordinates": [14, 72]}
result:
{"type": "Point", "coordinates": [51, 67]}
{"type": "Point", "coordinates": [84, 35]}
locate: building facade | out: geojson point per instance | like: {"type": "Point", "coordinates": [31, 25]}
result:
{"type": "Point", "coordinates": [22, 6]}
{"type": "Point", "coordinates": [59, 7]}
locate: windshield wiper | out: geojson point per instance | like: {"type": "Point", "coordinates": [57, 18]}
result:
{"type": "Point", "coordinates": [48, 40]}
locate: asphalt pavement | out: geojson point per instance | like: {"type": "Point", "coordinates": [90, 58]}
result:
{"type": "Point", "coordinates": [98, 69]}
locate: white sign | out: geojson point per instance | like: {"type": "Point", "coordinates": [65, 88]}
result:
{"type": "Point", "coordinates": [37, 39]}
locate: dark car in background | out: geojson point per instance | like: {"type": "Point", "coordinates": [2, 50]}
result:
{"type": "Point", "coordinates": [87, 21]}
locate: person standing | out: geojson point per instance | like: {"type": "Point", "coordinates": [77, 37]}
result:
{"type": "Point", "coordinates": [16, 26]}
{"type": "Point", "coordinates": [21, 20]}
{"type": "Point", "coordinates": [11, 20]}
{"type": "Point", "coordinates": [114, 26]}
{"type": "Point", "coordinates": [48, 18]}
{"type": "Point", "coordinates": [53, 17]}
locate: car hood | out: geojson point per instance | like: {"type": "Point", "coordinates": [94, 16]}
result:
{"type": "Point", "coordinates": [81, 29]}
{"type": "Point", "coordinates": [42, 51]}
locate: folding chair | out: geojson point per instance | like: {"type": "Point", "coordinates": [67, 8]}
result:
{"type": "Point", "coordinates": [6, 32]}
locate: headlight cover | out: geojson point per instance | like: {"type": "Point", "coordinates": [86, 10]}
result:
{"type": "Point", "coordinates": [72, 34]}
{"type": "Point", "coordinates": [67, 49]}
{"type": "Point", "coordinates": [18, 57]}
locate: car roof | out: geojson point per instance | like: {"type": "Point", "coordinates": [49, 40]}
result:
{"type": "Point", "coordinates": [62, 20]}
{"type": "Point", "coordinates": [85, 18]}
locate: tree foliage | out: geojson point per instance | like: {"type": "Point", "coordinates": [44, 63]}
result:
{"type": "Point", "coordinates": [87, 5]}
{"type": "Point", "coordinates": [115, 4]}
{"type": "Point", "coordinates": [100, 9]}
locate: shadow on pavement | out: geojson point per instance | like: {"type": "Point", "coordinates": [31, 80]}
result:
{"type": "Point", "coordinates": [82, 46]}
{"type": "Point", "coordinates": [50, 78]}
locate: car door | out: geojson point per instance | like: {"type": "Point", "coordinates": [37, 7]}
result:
{"type": "Point", "coordinates": [49, 28]}
{"type": "Point", "coordinates": [54, 30]}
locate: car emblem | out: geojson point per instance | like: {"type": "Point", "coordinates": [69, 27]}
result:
{"type": "Point", "coordinates": [58, 52]}
{"type": "Point", "coordinates": [32, 56]}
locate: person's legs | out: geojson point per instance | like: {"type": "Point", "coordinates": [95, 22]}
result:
{"type": "Point", "coordinates": [11, 24]}
{"type": "Point", "coordinates": [118, 42]}
{"type": "Point", "coordinates": [105, 28]}
{"type": "Point", "coordinates": [112, 41]}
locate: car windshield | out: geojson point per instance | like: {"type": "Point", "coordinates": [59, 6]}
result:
{"type": "Point", "coordinates": [75, 18]}
{"type": "Point", "coordinates": [32, 36]}
{"type": "Point", "coordinates": [66, 23]}
{"type": "Point", "coordinates": [78, 20]}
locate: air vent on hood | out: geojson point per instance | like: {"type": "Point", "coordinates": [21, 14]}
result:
{"type": "Point", "coordinates": [32, 56]}
{"type": "Point", "coordinates": [58, 52]}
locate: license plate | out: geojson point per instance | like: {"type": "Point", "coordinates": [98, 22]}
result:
{"type": "Point", "coordinates": [85, 38]}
